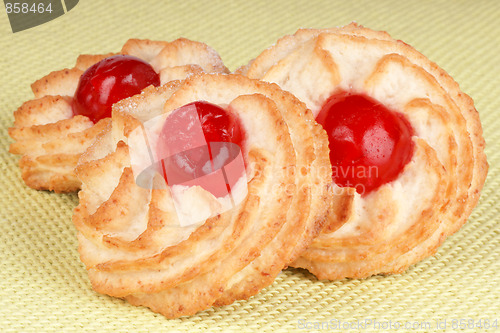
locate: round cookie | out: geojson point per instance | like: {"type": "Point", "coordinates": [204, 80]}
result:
{"type": "Point", "coordinates": [406, 219]}
{"type": "Point", "coordinates": [138, 242]}
{"type": "Point", "coordinates": [51, 138]}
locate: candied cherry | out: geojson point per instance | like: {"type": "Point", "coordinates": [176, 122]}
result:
{"type": "Point", "coordinates": [369, 143]}
{"type": "Point", "coordinates": [109, 81]}
{"type": "Point", "coordinates": [199, 139]}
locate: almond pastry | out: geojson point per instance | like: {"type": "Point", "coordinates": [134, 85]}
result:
{"type": "Point", "coordinates": [50, 135]}
{"type": "Point", "coordinates": [386, 106]}
{"type": "Point", "coordinates": [176, 246]}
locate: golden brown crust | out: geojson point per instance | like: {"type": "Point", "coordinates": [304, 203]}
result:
{"type": "Point", "coordinates": [385, 231]}
{"type": "Point", "coordinates": [84, 61]}
{"type": "Point", "coordinates": [45, 129]}
{"type": "Point", "coordinates": [131, 240]}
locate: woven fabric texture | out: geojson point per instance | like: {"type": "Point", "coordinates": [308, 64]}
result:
{"type": "Point", "coordinates": [44, 286]}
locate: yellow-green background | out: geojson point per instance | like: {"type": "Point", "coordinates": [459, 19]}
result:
{"type": "Point", "coordinates": [43, 285]}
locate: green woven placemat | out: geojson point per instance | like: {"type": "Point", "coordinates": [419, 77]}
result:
{"type": "Point", "coordinates": [43, 285]}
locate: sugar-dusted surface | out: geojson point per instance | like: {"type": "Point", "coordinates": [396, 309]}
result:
{"type": "Point", "coordinates": [43, 285]}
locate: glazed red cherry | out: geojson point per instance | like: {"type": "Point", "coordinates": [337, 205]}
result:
{"type": "Point", "coordinates": [193, 143]}
{"type": "Point", "coordinates": [109, 81]}
{"type": "Point", "coordinates": [218, 124]}
{"type": "Point", "coordinates": [369, 144]}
